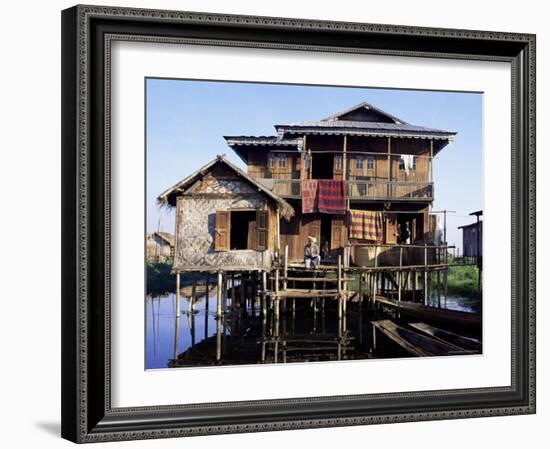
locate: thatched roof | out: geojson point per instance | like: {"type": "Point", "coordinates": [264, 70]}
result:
{"type": "Point", "coordinates": [167, 237]}
{"type": "Point", "coordinates": [168, 197]}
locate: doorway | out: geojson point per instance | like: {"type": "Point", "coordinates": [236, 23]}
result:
{"type": "Point", "coordinates": [322, 166]}
{"type": "Point", "coordinates": [326, 231]}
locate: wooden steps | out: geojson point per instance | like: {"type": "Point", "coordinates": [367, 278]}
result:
{"type": "Point", "coordinates": [415, 343]}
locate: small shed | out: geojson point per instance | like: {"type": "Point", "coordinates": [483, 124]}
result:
{"type": "Point", "coordinates": [472, 238]}
{"type": "Point", "coordinates": [160, 246]}
{"type": "Point", "coordinates": [225, 220]}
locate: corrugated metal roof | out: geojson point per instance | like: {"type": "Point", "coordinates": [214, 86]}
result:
{"type": "Point", "coordinates": [366, 126]}
{"type": "Point", "coordinates": [262, 141]}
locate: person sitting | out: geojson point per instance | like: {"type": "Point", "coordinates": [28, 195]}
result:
{"type": "Point", "coordinates": [312, 258]}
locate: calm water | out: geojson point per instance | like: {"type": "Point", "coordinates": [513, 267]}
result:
{"type": "Point", "coordinates": [243, 336]}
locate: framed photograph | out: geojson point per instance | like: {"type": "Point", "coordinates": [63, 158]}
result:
{"type": "Point", "coordinates": [285, 223]}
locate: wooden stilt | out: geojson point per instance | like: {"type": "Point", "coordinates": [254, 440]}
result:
{"type": "Point", "coordinates": [399, 274]}
{"type": "Point", "coordinates": [276, 293]}
{"type": "Point", "coordinates": [426, 299]}
{"type": "Point", "coordinates": [233, 299]}
{"type": "Point", "coordinates": [219, 296]}
{"type": "Point", "coordinates": [176, 335]}
{"type": "Point", "coordinates": [219, 331]}
{"type": "Point", "coordinates": [206, 304]}
{"type": "Point", "coordinates": [361, 288]}
{"type": "Point", "coordinates": [191, 308]}
{"type": "Point", "coordinates": [339, 283]}
{"type": "Point", "coordinates": [224, 292]}
{"type": "Point", "coordinates": [178, 304]}
{"type": "Point", "coordinates": [264, 293]}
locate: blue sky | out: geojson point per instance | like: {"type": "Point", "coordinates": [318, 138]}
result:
{"type": "Point", "coordinates": [186, 122]}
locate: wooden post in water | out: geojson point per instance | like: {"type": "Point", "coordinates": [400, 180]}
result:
{"type": "Point", "coordinates": [399, 273]}
{"type": "Point", "coordinates": [360, 288]}
{"type": "Point", "coordinates": [206, 304]}
{"type": "Point", "coordinates": [219, 296]}
{"type": "Point", "coordinates": [264, 293]}
{"type": "Point", "coordinates": [219, 331]}
{"type": "Point", "coordinates": [178, 294]}
{"type": "Point", "coordinates": [286, 268]}
{"type": "Point", "coordinates": [276, 294]}
{"type": "Point", "coordinates": [242, 301]}
{"type": "Point", "coordinates": [233, 299]}
{"type": "Point", "coordinates": [375, 276]}
{"type": "Point", "coordinates": [191, 309]}
{"type": "Point", "coordinates": [425, 274]}
{"type": "Point", "coordinates": [339, 287]}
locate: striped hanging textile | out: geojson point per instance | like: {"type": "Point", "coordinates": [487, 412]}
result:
{"type": "Point", "coordinates": [366, 225]}
{"type": "Point", "coordinates": [332, 196]}
{"type": "Point", "coordinates": [310, 197]}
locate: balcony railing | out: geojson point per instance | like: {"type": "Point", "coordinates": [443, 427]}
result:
{"type": "Point", "coordinates": [361, 190]}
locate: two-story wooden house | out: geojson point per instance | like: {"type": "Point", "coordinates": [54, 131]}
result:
{"type": "Point", "coordinates": [359, 176]}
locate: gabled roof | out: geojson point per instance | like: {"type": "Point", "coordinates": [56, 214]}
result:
{"type": "Point", "coordinates": [363, 108]}
{"type": "Point", "coordinates": [363, 119]}
{"type": "Point", "coordinates": [168, 197]}
{"type": "Point", "coordinates": [166, 236]}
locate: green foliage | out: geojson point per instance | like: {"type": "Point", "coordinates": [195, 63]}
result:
{"type": "Point", "coordinates": [462, 281]}
{"type": "Point", "coordinates": [159, 277]}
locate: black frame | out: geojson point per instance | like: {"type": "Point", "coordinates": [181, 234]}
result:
{"type": "Point", "coordinates": [87, 32]}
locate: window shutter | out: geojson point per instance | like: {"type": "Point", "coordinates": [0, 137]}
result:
{"type": "Point", "coordinates": [391, 228]}
{"type": "Point", "coordinates": [221, 240]}
{"type": "Point", "coordinates": [337, 233]}
{"type": "Point", "coordinates": [261, 230]}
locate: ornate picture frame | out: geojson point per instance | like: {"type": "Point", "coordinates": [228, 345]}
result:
{"type": "Point", "coordinates": [87, 411]}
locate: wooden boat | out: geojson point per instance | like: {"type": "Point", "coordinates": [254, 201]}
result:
{"type": "Point", "coordinates": [415, 343]}
{"type": "Point", "coordinates": [433, 313]}
{"type": "Point", "coordinates": [448, 337]}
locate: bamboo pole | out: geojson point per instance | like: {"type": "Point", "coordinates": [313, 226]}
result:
{"type": "Point", "coordinates": [219, 334]}
{"type": "Point", "coordinates": [178, 294]}
{"type": "Point", "coordinates": [399, 274]}
{"type": "Point", "coordinates": [339, 287]}
{"type": "Point", "coordinates": [361, 288]}
{"type": "Point", "coordinates": [219, 295]}
{"type": "Point", "coordinates": [425, 275]}
{"type": "Point", "coordinates": [264, 293]}
{"type": "Point", "coordinates": [375, 275]}
{"type": "Point", "coordinates": [191, 309]}
{"type": "Point", "coordinates": [277, 293]}
{"type": "Point", "coordinates": [286, 268]}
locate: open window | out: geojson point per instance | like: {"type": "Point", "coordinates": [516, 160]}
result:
{"type": "Point", "coordinates": [241, 230]}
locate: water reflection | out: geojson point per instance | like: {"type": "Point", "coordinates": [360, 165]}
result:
{"type": "Point", "coordinates": [305, 332]}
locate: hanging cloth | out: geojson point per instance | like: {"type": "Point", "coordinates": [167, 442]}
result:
{"type": "Point", "coordinates": [366, 225]}
{"type": "Point", "coordinates": [332, 196]}
{"type": "Point", "coordinates": [310, 197]}
{"type": "Point", "coordinates": [408, 161]}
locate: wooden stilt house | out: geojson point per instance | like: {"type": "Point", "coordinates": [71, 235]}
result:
{"type": "Point", "coordinates": [359, 177]}
{"type": "Point", "coordinates": [225, 220]}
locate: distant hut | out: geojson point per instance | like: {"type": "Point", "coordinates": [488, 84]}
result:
{"type": "Point", "coordinates": [160, 246]}
{"type": "Point", "coordinates": [225, 220]}
{"type": "Point", "coordinates": [472, 236]}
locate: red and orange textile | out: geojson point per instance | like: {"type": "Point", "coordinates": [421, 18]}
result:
{"type": "Point", "coordinates": [324, 195]}
{"type": "Point", "coordinates": [310, 198]}
{"type": "Point", "coordinates": [366, 225]}
{"type": "Point", "coordinates": [332, 196]}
